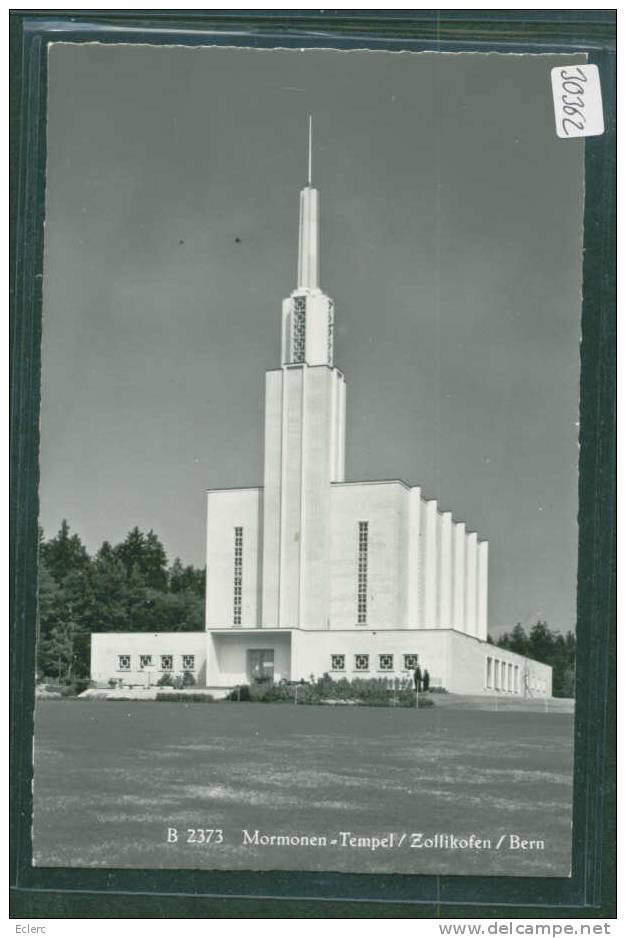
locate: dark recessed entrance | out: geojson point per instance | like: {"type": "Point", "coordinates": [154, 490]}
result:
{"type": "Point", "coordinates": [261, 665]}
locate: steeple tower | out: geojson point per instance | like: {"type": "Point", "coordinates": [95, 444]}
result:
{"type": "Point", "coordinates": [308, 314]}
{"type": "Point", "coordinates": [305, 405]}
{"type": "Point", "coordinates": [309, 240]}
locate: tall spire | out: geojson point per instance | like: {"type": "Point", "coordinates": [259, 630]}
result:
{"type": "Point", "coordinates": [310, 147]}
{"type": "Point", "coordinates": [308, 247]}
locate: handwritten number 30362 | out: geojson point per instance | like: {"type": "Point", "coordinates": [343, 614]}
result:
{"type": "Point", "coordinates": [573, 86]}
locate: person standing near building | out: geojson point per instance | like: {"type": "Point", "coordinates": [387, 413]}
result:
{"type": "Point", "coordinates": [425, 680]}
{"type": "Point", "coordinates": [417, 678]}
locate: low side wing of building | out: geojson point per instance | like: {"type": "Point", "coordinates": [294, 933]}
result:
{"type": "Point", "coordinates": [140, 659]}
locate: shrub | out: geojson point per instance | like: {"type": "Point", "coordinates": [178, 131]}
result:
{"type": "Point", "coordinates": [177, 682]}
{"type": "Point", "coordinates": [241, 693]}
{"type": "Point", "coordinates": [306, 694]}
{"type": "Point", "coordinates": [188, 679]}
{"type": "Point", "coordinates": [184, 698]}
{"type": "Point", "coordinates": [50, 680]}
{"type": "Point", "coordinates": [73, 688]}
{"type": "Point", "coordinates": [68, 690]}
{"type": "Point", "coordinates": [372, 692]}
{"type": "Point", "coordinates": [271, 693]}
{"type": "Point", "coordinates": [325, 686]}
{"type": "Point", "coordinates": [165, 680]}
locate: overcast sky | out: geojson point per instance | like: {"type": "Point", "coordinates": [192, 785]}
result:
{"type": "Point", "coordinates": [451, 242]}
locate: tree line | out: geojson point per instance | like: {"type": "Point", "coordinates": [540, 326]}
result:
{"type": "Point", "coordinates": [543, 644]}
{"type": "Point", "coordinates": [124, 587]}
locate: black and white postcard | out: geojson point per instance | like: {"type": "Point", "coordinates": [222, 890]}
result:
{"type": "Point", "coordinates": [309, 461]}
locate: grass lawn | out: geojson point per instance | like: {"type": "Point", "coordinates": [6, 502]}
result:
{"type": "Point", "coordinates": [112, 777]}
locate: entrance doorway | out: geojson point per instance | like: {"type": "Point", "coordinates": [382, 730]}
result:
{"type": "Point", "coordinates": [261, 665]}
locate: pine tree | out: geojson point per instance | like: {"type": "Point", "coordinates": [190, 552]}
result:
{"type": "Point", "coordinates": [154, 563]}
{"type": "Point", "coordinates": [64, 554]}
{"type": "Point", "coordinates": [517, 641]}
{"type": "Point", "coordinates": [548, 647]}
{"type": "Point", "coordinates": [186, 579]}
{"type": "Point", "coordinates": [541, 642]}
{"type": "Point", "coordinates": [109, 587]}
{"type": "Point", "coordinates": [144, 554]}
{"type": "Point", "coordinates": [59, 628]}
{"type": "Point", "coordinates": [130, 551]}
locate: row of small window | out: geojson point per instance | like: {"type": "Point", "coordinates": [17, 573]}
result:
{"type": "Point", "coordinates": [362, 662]}
{"type": "Point", "coordinates": [502, 676]}
{"type": "Point", "coordinates": [166, 662]}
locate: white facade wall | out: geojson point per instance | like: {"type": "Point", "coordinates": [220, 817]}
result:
{"type": "Point", "coordinates": [340, 473]}
{"type": "Point", "coordinates": [272, 498]}
{"type": "Point", "coordinates": [458, 576]}
{"type": "Point", "coordinates": [312, 653]}
{"type": "Point", "coordinates": [423, 570]}
{"type": "Point", "coordinates": [385, 506]}
{"type": "Point", "coordinates": [414, 558]}
{"type": "Point", "coordinates": [469, 670]}
{"type": "Point", "coordinates": [290, 499]}
{"type": "Point", "coordinates": [337, 421]}
{"type": "Point", "coordinates": [106, 647]}
{"type": "Point", "coordinates": [444, 589]}
{"type": "Point", "coordinates": [471, 560]}
{"type": "Point", "coordinates": [429, 564]}
{"type": "Point", "coordinates": [226, 510]}
{"type": "Point", "coordinates": [320, 430]}
{"type": "Point", "coordinates": [483, 584]}
{"type": "Point", "coordinates": [305, 421]}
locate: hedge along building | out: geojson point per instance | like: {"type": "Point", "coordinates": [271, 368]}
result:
{"type": "Point", "coordinates": [312, 574]}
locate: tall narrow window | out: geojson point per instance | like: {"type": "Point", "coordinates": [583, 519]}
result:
{"type": "Point", "coordinates": [362, 574]}
{"type": "Point", "coordinates": [298, 335]}
{"type": "Point", "coordinates": [237, 576]}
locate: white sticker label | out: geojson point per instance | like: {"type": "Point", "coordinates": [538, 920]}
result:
{"type": "Point", "coordinates": [577, 101]}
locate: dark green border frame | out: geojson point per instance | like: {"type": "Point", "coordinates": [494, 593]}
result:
{"type": "Point", "coordinates": [90, 893]}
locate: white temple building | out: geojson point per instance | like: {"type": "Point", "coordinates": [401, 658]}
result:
{"type": "Point", "coordinates": [309, 573]}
